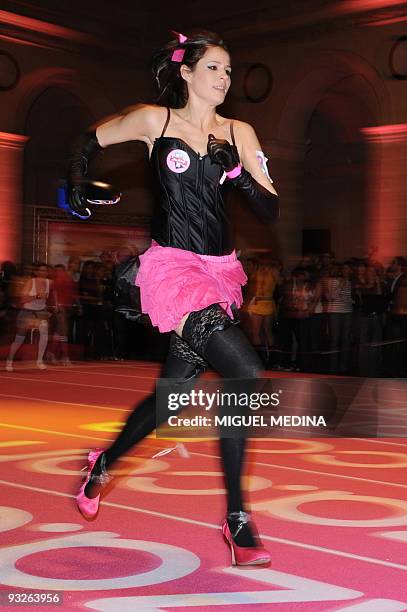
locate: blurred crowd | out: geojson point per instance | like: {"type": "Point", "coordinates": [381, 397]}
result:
{"type": "Point", "coordinates": [323, 315]}
{"type": "Point", "coordinates": [318, 315]}
{"type": "Point", "coordinates": [72, 311]}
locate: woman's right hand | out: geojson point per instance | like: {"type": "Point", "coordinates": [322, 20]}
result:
{"type": "Point", "coordinates": [86, 148]}
{"type": "Point", "coordinates": [76, 196]}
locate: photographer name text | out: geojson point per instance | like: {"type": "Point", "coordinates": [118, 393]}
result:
{"type": "Point", "coordinates": [251, 420]}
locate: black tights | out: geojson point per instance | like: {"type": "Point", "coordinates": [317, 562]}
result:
{"type": "Point", "coordinates": [229, 353]}
{"type": "Point", "coordinates": [142, 420]}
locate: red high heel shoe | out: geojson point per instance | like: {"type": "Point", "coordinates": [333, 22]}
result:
{"type": "Point", "coordinates": [245, 555]}
{"type": "Point", "coordinates": [89, 506]}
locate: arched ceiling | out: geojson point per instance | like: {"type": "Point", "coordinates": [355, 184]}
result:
{"type": "Point", "coordinates": [141, 25]}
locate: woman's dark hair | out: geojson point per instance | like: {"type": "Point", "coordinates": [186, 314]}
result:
{"type": "Point", "coordinates": [172, 88]}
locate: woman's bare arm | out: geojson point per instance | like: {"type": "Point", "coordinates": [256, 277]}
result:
{"type": "Point", "coordinates": [139, 123]}
{"type": "Point", "coordinates": [249, 146]}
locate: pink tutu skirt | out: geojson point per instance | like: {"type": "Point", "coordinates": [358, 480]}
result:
{"type": "Point", "coordinates": [174, 282]}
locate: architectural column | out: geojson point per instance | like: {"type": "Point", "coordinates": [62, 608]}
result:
{"type": "Point", "coordinates": [386, 223]}
{"type": "Point", "coordinates": [11, 195]}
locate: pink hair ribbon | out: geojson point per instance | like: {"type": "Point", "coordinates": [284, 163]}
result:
{"type": "Point", "coordinates": [178, 54]}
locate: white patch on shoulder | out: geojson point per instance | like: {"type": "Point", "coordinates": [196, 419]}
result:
{"type": "Point", "coordinates": [262, 159]}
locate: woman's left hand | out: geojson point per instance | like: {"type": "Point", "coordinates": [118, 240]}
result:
{"type": "Point", "coordinates": [221, 152]}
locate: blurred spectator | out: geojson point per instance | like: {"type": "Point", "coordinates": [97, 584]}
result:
{"type": "Point", "coordinates": [318, 322]}
{"type": "Point", "coordinates": [8, 272]}
{"type": "Point", "coordinates": [337, 295]}
{"type": "Point", "coordinates": [262, 307]}
{"type": "Point", "coordinates": [74, 271]}
{"type": "Point", "coordinates": [324, 263]}
{"type": "Point", "coordinates": [126, 301]}
{"type": "Point", "coordinates": [371, 307]}
{"type": "Point", "coordinates": [396, 327]}
{"type": "Point", "coordinates": [373, 262]}
{"type": "Point", "coordinates": [96, 305]}
{"type": "Point", "coordinates": [74, 268]}
{"type": "Point", "coordinates": [66, 295]}
{"type": "Point", "coordinates": [34, 314]}
{"type": "Point", "coordinates": [297, 304]}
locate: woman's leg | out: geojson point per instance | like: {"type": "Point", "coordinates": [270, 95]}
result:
{"type": "Point", "coordinates": [181, 363]}
{"type": "Point", "coordinates": [212, 335]}
{"type": "Point", "coordinates": [229, 352]}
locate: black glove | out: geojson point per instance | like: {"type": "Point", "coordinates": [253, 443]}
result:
{"type": "Point", "coordinates": [77, 198]}
{"type": "Point", "coordinates": [265, 205]}
{"type": "Point", "coordinates": [221, 152]}
{"type": "Point", "coordinates": [86, 147]}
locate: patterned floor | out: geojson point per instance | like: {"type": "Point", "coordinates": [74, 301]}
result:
{"type": "Point", "coordinates": [333, 512]}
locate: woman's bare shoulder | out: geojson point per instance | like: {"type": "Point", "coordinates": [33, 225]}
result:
{"type": "Point", "coordinates": [243, 128]}
{"type": "Point", "coordinates": [137, 122]}
{"type": "Point", "coordinates": [152, 114]}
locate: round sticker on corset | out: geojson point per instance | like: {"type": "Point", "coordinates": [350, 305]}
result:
{"type": "Point", "coordinates": [178, 161]}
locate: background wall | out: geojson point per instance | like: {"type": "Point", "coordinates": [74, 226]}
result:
{"type": "Point", "coordinates": [332, 124]}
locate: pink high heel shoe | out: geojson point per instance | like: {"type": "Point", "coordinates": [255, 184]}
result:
{"type": "Point", "coordinates": [242, 555]}
{"type": "Point", "coordinates": [89, 506]}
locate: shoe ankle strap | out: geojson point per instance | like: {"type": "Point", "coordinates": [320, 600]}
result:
{"type": "Point", "coordinates": [241, 518]}
{"type": "Point", "coordinates": [103, 478]}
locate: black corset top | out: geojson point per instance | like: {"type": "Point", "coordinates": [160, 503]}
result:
{"type": "Point", "coordinates": [189, 208]}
